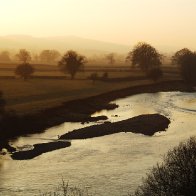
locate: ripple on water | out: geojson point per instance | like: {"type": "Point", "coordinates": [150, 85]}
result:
{"type": "Point", "coordinates": [111, 164]}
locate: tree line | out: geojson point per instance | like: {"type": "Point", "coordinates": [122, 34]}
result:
{"type": "Point", "coordinates": [45, 56]}
{"type": "Point", "coordinates": [143, 55]}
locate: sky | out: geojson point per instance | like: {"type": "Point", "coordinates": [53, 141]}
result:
{"type": "Point", "coordinates": [159, 22]}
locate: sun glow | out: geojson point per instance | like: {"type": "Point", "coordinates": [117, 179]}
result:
{"type": "Point", "coordinates": [162, 22]}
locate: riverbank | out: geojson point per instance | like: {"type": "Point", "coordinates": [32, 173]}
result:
{"type": "Point", "coordinates": [143, 124]}
{"type": "Point", "coordinates": [79, 110]}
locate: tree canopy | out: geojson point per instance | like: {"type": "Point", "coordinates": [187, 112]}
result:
{"type": "Point", "coordinates": [145, 56]}
{"type": "Point", "coordinates": [186, 60]}
{"type": "Point", "coordinates": [71, 63]}
{"type": "Point", "coordinates": [24, 70]}
{"type": "Point", "coordinates": [179, 57]}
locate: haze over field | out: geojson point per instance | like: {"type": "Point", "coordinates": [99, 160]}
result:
{"type": "Point", "coordinates": [93, 93]}
{"type": "Point", "coordinates": [166, 24]}
{"type": "Point", "coordinates": [61, 43]}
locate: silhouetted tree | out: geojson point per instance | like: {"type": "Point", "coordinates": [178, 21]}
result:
{"type": "Point", "coordinates": [24, 56]}
{"type": "Point", "coordinates": [111, 58]}
{"type": "Point", "coordinates": [5, 56]}
{"type": "Point", "coordinates": [49, 55]}
{"type": "Point", "coordinates": [145, 56]}
{"type": "Point", "coordinates": [175, 176]}
{"type": "Point", "coordinates": [186, 60]}
{"type": "Point", "coordinates": [72, 62]}
{"type": "Point", "coordinates": [24, 70]}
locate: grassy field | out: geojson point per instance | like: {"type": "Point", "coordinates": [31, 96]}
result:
{"type": "Point", "coordinates": [39, 93]}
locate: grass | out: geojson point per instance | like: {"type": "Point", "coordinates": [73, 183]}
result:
{"type": "Point", "coordinates": [39, 93]}
{"type": "Point", "coordinates": [36, 94]}
{"type": "Point", "coordinates": [64, 189]}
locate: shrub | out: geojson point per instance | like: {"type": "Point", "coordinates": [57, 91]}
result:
{"type": "Point", "coordinates": [72, 62]}
{"type": "Point", "coordinates": [176, 176]}
{"type": "Point", "coordinates": [186, 60]}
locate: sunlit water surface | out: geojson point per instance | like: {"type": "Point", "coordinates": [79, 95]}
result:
{"type": "Point", "coordinates": [109, 165]}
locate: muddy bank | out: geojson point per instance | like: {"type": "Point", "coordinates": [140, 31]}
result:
{"type": "Point", "coordinates": [78, 110]}
{"type": "Point", "coordinates": [39, 149]}
{"type": "Point", "coordinates": [145, 124]}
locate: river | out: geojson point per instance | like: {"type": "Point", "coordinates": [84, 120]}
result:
{"type": "Point", "coordinates": [109, 165]}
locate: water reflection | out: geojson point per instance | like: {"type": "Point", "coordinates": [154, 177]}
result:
{"type": "Point", "coordinates": [114, 163]}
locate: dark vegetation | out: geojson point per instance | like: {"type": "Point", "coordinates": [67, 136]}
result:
{"type": "Point", "coordinates": [186, 60]}
{"type": "Point", "coordinates": [175, 176]}
{"type": "Point", "coordinates": [72, 62]}
{"type": "Point", "coordinates": [24, 70]}
{"type": "Point", "coordinates": [147, 59]}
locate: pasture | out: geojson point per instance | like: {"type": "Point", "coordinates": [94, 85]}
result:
{"type": "Point", "coordinates": [49, 87]}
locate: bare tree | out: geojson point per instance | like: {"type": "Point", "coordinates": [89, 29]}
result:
{"type": "Point", "coordinates": [24, 56]}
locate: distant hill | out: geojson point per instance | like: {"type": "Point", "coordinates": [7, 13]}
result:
{"type": "Point", "coordinates": [87, 46]}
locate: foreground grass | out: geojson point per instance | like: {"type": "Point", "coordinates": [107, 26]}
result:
{"type": "Point", "coordinates": [38, 94]}
{"type": "Point", "coordinates": [64, 189]}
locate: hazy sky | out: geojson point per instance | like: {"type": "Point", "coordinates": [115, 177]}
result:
{"type": "Point", "coordinates": [159, 22]}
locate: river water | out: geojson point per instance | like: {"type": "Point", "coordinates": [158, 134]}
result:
{"type": "Point", "coordinates": [109, 165]}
